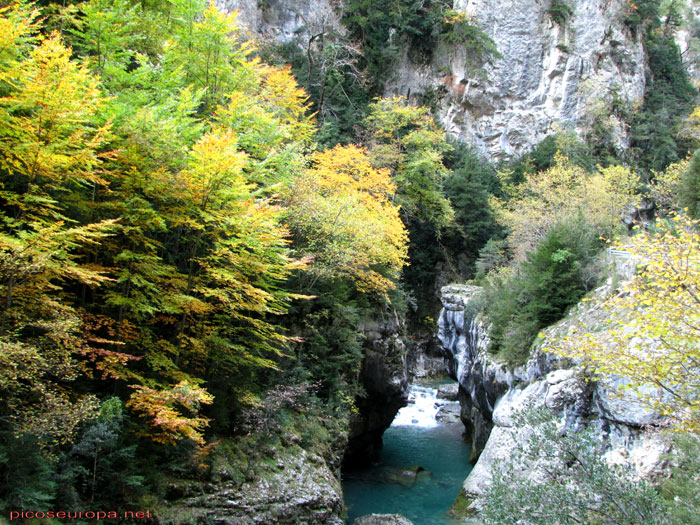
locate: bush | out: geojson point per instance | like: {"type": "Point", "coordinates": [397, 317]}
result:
{"type": "Point", "coordinates": [560, 11]}
{"type": "Point", "coordinates": [680, 491]}
{"type": "Point", "coordinates": [690, 183]}
{"type": "Point", "coordinates": [574, 483]}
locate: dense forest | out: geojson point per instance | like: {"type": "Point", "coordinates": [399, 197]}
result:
{"type": "Point", "coordinates": [195, 225]}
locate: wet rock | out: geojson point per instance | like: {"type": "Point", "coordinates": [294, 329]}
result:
{"type": "Point", "coordinates": [448, 392]}
{"type": "Point", "coordinates": [382, 519]}
{"type": "Point", "coordinates": [425, 366]}
{"type": "Point", "coordinates": [449, 413]}
{"type": "Point", "coordinates": [384, 377]}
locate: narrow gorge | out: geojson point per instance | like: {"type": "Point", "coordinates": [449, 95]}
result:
{"type": "Point", "coordinates": [392, 262]}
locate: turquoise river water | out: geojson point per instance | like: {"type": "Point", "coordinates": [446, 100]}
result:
{"type": "Point", "coordinates": [414, 439]}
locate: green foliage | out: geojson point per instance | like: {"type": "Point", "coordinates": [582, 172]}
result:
{"type": "Point", "coordinates": [542, 157]}
{"type": "Point", "coordinates": [328, 69]}
{"type": "Point", "coordinates": [147, 267]}
{"type": "Point", "coordinates": [575, 482]}
{"type": "Point", "coordinates": [100, 467]}
{"type": "Point", "coordinates": [331, 353]}
{"type": "Point", "coordinates": [668, 100]}
{"type": "Point", "coordinates": [652, 332]}
{"type": "Point", "coordinates": [680, 490]}
{"type": "Point", "coordinates": [468, 188]}
{"type": "Point", "coordinates": [406, 140]}
{"type": "Point", "coordinates": [494, 255]}
{"type": "Point", "coordinates": [560, 11]}
{"type": "Point", "coordinates": [27, 478]}
{"type": "Point", "coordinates": [458, 30]}
{"type": "Point", "coordinates": [690, 187]}
{"type": "Point", "coordinates": [385, 28]}
{"type": "Point", "coordinates": [552, 278]}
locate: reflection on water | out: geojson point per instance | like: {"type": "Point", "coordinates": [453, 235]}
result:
{"type": "Point", "coordinates": [421, 467]}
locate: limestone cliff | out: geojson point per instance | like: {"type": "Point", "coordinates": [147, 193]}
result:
{"type": "Point", "coordinates": [384, 378]}
{"type": "Point", "coordinates": [550, 74]}
{"type": "Point", "coordinates": [294, 485]}
{"type": "Point", "coordinates": [491, 394]}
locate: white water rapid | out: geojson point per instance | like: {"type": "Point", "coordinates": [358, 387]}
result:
{"type": "Point", "coordinates": [423, 406]}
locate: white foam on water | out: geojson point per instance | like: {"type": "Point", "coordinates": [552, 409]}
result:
{"type": "Point", "coordinates": [423, 406]}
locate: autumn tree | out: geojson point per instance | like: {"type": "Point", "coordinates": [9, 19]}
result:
{"type": "Point", "coordinates": [341, 212]}
{"type": "Point", "coordinates": [563, 191]}
{"type": "Point", "coordinates": [652, 335]}
{"type": "Point", "coordinates": [406, 140]}
{"type": "Point", "coordinates": [49, 148]}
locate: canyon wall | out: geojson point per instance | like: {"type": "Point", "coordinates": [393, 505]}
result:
{"type": "Point", "coordinates": [491, 394]}
{"type": "Point", "coordinates": [550, 75]}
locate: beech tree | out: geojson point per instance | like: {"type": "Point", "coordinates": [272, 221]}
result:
{"type": "Point", "coordinates": [561, 192]}
{"type": "Point", "coordinates": [341, 213]}
{"type": "Point", "coordinates": [652, 335]}
{"type": "Point", "coordinates": [406, 140]}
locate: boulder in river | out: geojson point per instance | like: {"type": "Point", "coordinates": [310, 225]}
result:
{"type": "Point", "coordinates": [449, 413]}
{"type": "Point", "coordinates": [406, 476]}
{"type": "Point", "coordinates": [448, 391]}
{"type": "Point", "coordinates": [382, 519]}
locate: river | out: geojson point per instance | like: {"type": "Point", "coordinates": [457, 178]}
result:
{"type": "Point", "coordinates": [395, 484]}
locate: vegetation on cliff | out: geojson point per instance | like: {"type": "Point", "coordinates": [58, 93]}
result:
{"type": "Point", "coordinates": [172, 249]}
{"type": "Point", "coordinates": [190, 241]}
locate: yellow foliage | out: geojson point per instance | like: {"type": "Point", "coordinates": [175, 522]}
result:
{"type": "Point", "coordinates": [173, 412]}
{"type": "Point", "coordinates": [563, 191]}
{"type": "Point", "coordinates": [341, 211]}
{"type": "Point", "coordinates": [667, 186]}
{"type": "Point", "coordinates": [653, 337]}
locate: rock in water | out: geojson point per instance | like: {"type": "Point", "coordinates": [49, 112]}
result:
{"type": "Point", "coordinates": [449, 413]}
{"type": "Point", "coordinates": [383, 519]}
{"type": "Point", "coordinates": [448, 391]}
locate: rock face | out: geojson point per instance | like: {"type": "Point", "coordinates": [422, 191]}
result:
{"type": "Point", "coordinates": [425, 359]}
{"type": "Point", "coordinates": [550, 73]}
{"type": "Point", "coordinates": [384, 378]}
{"type": "Point", "coordinates": [282, 21]}
{"type": "Point", "coordinates": [491, 395]}
{"type": "Point", "coordinates": [300, 487]}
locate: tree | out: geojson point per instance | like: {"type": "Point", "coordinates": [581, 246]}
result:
{"type": "Point", "coordinates": [690, 186]}
{"type": "Point", "coordinates": [553, 277]}
{"type": "Point", "coordinates": [406, 140]}
{"type": "Point", "coordinates": [563, 191]}
{"type": "Point", "coordinates": [47, 137]}
{"type": "Point", "coordinates": [666, 189]}
{"type": "Point", "coordinates": [652, 337]}
{"type": "Point", "coordinates": [341, 213]}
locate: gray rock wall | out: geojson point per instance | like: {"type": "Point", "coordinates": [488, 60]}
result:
{"type": "Point", "coordinates": [299, 486]}
{"type": "Point", "coordinates": [491, 395]}
{"type": "Point", "coordinates": [549, 75]}
{"type": "Point", "coordinates": [283, 21]}
{"type": "Point", "coordinates": [384, 377]}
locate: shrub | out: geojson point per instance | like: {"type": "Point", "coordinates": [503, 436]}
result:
{"type": "Point", "coordinates": [560, 11]}
{"type": "Point", "coordinates": [690, 183]}
{"type": "Point", "coordinates": [574, 483]}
